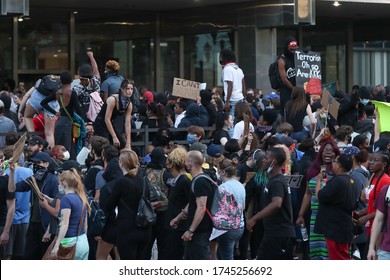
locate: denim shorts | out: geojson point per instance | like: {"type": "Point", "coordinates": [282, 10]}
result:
{"type": "Point", "coordinates": [35, 102]}
{"type": "Point", "coordinates": [383, 255]}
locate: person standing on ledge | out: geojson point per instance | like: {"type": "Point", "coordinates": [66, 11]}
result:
{"type": "Point", "coordinates": [232, 79]}
{"type": "Point", "coordinates": [286, 67]}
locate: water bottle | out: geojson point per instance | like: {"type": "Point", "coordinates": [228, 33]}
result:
{"type": "Point", "coordinates": [305, 237]}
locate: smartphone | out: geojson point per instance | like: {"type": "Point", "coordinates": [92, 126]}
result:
{"type": "Point", "coordinates": [323, 171]}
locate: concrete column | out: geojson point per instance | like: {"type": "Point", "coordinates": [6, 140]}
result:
{"type": "Point", "coordinates": [256, 51]}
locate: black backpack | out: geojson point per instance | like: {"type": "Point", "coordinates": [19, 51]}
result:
{"type": "Point", "coordinates": [49, 84]}
{"type": "Point", "coordinates": [96, 219]}
{"type": "Point", "coordinates": [273, 74]}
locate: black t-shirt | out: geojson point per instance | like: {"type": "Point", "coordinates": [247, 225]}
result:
{"type": "Point", "coordinates": [242, 170]}
{"type": "Point", "coordinates": [4, 196]}
{"type": "Point", "coordinates": [334, 210]}
{"type": "Point", "coordinates": [218, 135]}
{"type": "Point", "coordinates": [179, 196]}
{"type": "Point", "coordinates": [279, 224]}
{"type": "Point", "coordinates": [202, 187]}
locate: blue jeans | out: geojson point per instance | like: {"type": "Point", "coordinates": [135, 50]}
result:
{"type": "Point", "coordinates": [383, 255]}
{"type": "Point", "coordinates": [232, 106]}
{"type": "Point", "coordinates": [198, 247]}
{"type": "Point", "coordinates": [226, 243]}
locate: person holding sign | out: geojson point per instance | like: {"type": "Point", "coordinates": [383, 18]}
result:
{"type": "Point", "coordinates": [233, 80]}
{"type": "Point", "coordinates": [286, 67]}
{"type": "Point", "coordinates": [44, 183]}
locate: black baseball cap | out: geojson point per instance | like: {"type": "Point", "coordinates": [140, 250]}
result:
{"type": "Point", "coordinates": [41, 156]}
{"type": "Point", "coordinates": [36, 140]}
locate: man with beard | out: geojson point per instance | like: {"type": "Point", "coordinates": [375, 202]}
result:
{"type": "Point", "coordinates": [40, 209]}
{"type": "Point", "coordinates": [286, 67]}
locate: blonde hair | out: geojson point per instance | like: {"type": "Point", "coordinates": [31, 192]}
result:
{"type": "Point", "coordinates": [178, 157]}
{"type": "Point", "coordinates": [74, 181]}
{"type": "Point", "coordinates": [129, 160]}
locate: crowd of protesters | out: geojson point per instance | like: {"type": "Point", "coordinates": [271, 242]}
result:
{"type": "Point", "coordinates": [251, 150]}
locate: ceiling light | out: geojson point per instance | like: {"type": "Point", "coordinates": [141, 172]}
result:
{"type": "Point", "coordinates": [20, 19]}
{"type": "Point", "coordinates": [336, 3]}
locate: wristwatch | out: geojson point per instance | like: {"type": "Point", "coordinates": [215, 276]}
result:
{"type": "Point", "coordinates": [190, 231]}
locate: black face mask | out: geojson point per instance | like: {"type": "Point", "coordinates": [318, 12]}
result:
{"type": "Point", "coordinates": [37, 168]}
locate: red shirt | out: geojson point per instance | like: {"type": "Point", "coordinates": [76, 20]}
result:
{"type": "Point", "coordinates": [384, 181]}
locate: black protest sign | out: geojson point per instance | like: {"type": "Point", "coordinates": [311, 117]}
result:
{"type": "Point", "coordinates": [308, 71]}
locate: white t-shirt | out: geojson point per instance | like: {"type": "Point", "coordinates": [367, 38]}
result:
{"type": "Point", "coordinates": [232, 73]}
{"type": "Point", "coordinates": [239, 130]}
{"type": "Point", "coordinates": [178, 118]}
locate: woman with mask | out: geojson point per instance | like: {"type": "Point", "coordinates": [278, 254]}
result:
{"type": "Point", "coordinates": [116, 105]}
{"type": "Point", "coordinates": [126, 194]}
{"type": "Point", "coordinates": [156, 118]}
{"type": "Point", "coordinates": [179, 193]}
{"type": "Point", "coordinates": [227, 172]}
{"type": "Point", "coordinates": [254, 189]}
{"type": "Point", "coordinates": [112, 83]}
{"type": "Point", "coordinates": [322, 163]}
{"type": "Point", "coordinates": [74, 209]}
{"type": "Point", "coordinates": [223, 122]}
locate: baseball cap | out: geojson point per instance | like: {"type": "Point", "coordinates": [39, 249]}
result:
{"type": "Point", "coordinates": [350, 150]}
{"type": "Point", "coordinates": [214, 150]}
{"type": "Point", "coordinates": [69, 164]}
{"type": "Point", "coordinates": [36, 140]}
{"type": "Point", "coordinates": [85, 71]}
{"type": "Point", "coordinates": [198, 147]}
{"type": "Point", "coordinates": [272, 95]}
{"type": "Point", "coordinates": [288, 141]}
{"type": "Point", "coordinates": [293, 44]}
{"type": "Point", "coordinates": [41, 156]}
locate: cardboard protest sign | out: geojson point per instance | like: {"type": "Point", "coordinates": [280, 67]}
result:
{"type": "Point", "coordinates": [19, 147]}
{"type": "Point", "coordinates": [384, 115]}
{"type": "Point", "coordinates": [308, 71]}
{"type": "Point", "coordinates": [328, 102]}
{"type": "Point", "coordinates": [186, 89]}
{"type": "Point", "coordinates": [294, 181]}
{"type": "Point", "coordinates": [246, 124]}
{"type": "Point", "coordinates": [34, 186]}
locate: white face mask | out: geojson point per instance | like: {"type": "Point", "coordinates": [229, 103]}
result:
{"type": "Point", "coordinates": [66, 155]}
{"type": "Point", "coordinates": [364, 101]}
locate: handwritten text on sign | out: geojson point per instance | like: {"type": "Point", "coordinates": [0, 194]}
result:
{"type": "Point", "coordinates": [308, 71]}
{"type": "Point", "coordinates": [185, 88]}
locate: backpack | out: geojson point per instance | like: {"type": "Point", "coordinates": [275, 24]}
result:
{"type": "Point", "coordinates": [225, 212]}
{"type": "Point", "coordinates": [49, 84]}
{"type": "Point", "coordinates": [95, 105]}
{"type": "Point", "coordinates": [96, 219]}
{"type": "Point", "coordinates": [145, 216]}
{"type": "Point", "coordinates": [273, 74]}
{"type": "Point", "coordinates": [158, 190]}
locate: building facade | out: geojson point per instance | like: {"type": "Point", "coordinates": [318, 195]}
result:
{"type": "Point", "coordinates": [154, 43]}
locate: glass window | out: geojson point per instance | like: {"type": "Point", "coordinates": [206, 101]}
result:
{"type": "Point", "coordinates": [5, 49]}
{"type": "Point", "coordinates": [201, 56]}
{"type": "Point", "coordinates": [43, 45]}
{"type": "Point", "coordinates": [121, 41]}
